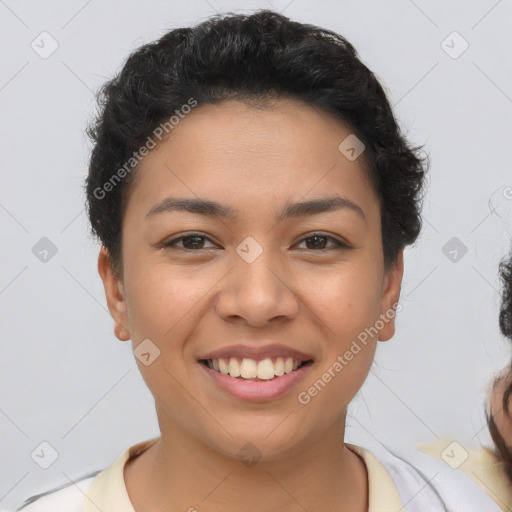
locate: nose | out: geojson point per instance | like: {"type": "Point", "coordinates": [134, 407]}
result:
{"type": "Point", "coordinates": [258, 292]}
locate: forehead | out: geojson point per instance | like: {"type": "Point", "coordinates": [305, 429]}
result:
{"type": "Point", "coordinates": [230, 150]}
{"type": "Point", "coordinates": [283, 130]}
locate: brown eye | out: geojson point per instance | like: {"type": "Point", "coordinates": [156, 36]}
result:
{"type": "Point", "coordinates": [318, 242]}
{"type": "Point", "coordinates": [190, 242]}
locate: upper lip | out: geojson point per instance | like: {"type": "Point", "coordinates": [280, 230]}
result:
{"type": "Point", "coordinates": [257, 353]}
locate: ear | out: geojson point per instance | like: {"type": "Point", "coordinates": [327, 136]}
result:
{"type": "Point", "coordinates": [114, 292]}
{"type": "Point", "coordinates": [390, 296]}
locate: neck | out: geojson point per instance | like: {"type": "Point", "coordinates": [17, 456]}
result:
{"type": "Point", "coordinates": [179, 472]}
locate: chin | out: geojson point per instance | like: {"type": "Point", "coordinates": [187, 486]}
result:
{"type": "Point", "coordinates": [273, 441]}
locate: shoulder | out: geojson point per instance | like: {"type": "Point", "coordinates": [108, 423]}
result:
{"type": "Point", "coordinates": [482, 465]}
{"type": "Point", "coordinates": [66, 498]}
{"type": "Point", "coordinates": [90, 492]}
{"type": "Point", "coordinates": [428, 483]}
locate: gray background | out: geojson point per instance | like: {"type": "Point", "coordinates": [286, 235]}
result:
{"type": "Point", "coordinates": [66, 380]}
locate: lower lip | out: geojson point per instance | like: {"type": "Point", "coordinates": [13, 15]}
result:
{"type": "Point", "coordinates": [258, 390]}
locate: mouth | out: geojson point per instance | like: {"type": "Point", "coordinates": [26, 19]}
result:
{"type": "Point", "coordinates": [248, 369]}
{"type": "Point", "coordinates": [255, 380]}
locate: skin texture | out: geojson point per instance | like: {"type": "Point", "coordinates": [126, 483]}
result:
{"type": "Point", "coordinates": [192, 302]}
{"type": "Point", "coordinates": [502, 417]}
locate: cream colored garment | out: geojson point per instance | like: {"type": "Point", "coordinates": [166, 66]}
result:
{"type": "Point", "coordinates": [482, 466]}
{"type": "Point", "coordinates": [106, 492]}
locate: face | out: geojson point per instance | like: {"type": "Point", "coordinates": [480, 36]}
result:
{"type": "Point", "coordinates": [252, 280]}
{"type": "Point", "coordinates": [502, 419]}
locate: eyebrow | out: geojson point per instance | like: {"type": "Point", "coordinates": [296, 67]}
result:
{"type": "Point", "coordinates": [212, 208]}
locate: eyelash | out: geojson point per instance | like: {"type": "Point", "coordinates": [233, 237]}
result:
{"type": "Point", "coordinates": [338, 244]}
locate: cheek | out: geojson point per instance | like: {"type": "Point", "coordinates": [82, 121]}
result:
{"type": "Point", "coordinates": [331, 389]}
{"type": "Point", "coordinates": [501, 418]}
{"type": "Point", "coordinates": [160, 297]}
{"type": "Point", "coordinates": [163, 308]}
{"type": "Point", "coordinates": [347, 300]}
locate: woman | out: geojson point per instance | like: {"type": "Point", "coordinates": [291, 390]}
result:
{"type": "Point", "coordinates": [500, 422]}
{"type": "Point", "coordinates": [491, 469]}
{"type": "Point", "coordinates": [253, 195]}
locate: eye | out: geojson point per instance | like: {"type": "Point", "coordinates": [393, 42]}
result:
{"type": "Point", "coordinates": [318, 242]}
{"type": "Point", "coordinates": [315, 242]}
{"type": "Point", "coordinates": [190, 242]}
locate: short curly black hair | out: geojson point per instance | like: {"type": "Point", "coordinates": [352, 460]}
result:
{"type": "Point", "coordinates": [250, 58]}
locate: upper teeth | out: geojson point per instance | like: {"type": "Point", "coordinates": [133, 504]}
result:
{"type": "Point", "coordinates": [250, 369]}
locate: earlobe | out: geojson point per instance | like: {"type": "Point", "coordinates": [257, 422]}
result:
{"type": "Point", "coordinates": [121, 333]}
{"type": "Point", "coordinates": [390, 298]}
{"type": "Point", "coordinates": [115, 295]}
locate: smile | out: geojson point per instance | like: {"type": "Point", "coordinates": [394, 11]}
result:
{"type": "Point", "coordinates": [256, 381]}
{"type": "Point", "coordinates": [265, 369]}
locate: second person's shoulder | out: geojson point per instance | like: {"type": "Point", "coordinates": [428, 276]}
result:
{"type": "Point", "coordinates": [482, 465]}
